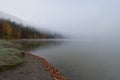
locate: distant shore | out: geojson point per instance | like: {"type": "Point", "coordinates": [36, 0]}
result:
{"type": "Point", "coordinates": [30, 66]}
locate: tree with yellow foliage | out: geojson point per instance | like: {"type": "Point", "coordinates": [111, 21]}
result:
{"type": "Point", "coordinates": [7, 29]}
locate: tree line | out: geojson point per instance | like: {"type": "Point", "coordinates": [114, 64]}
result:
{"type": "Point", "coordinates": [12, 30]}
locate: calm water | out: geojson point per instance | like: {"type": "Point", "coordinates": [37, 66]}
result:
{"type": "Point", "coordinates": [80, 60]}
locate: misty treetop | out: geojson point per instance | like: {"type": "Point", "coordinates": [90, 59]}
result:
{"type": "Point", "coordinates": [12, 30]}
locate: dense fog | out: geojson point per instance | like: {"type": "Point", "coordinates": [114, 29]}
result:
{"type": "Point", "coordinates": [77, 18]}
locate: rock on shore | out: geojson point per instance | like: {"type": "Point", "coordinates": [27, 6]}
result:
{"type": "Point", "coordinates": [9, 56]}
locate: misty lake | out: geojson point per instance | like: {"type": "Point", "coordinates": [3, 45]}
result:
{"type": "Point", "coordinates": [79, 59]}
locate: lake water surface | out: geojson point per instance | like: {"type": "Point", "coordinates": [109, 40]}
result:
{"type": "Point", "coordinates": [78, 59]}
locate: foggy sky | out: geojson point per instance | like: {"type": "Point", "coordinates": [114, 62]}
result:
{"type": "Point", "coordinates": [94, 18]}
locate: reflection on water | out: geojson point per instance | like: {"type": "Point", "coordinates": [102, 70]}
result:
{"type": "Point", "coordinates": [80, 60]}
{"type": "Point", "coordinates": [32, 45]}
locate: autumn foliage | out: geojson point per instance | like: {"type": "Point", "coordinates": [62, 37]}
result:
{"type": "Point", "coordinates": [12, 30]}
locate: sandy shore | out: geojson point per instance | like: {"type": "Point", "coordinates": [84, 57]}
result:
{"type": "Point", "coordinates": [32, 68]}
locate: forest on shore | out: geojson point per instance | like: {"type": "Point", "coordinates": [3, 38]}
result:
{"type": "Point", "coordinates": [13, 30]}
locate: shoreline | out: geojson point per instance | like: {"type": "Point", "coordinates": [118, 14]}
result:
{"type": "Point", "coordinates": [55, 73]}
{"type": "Point", "coordinates": [25, 65]}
